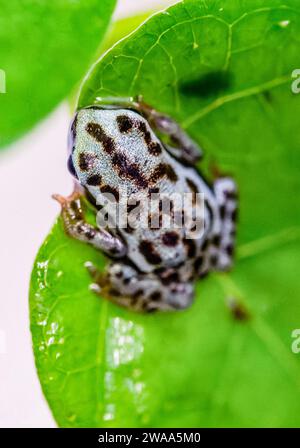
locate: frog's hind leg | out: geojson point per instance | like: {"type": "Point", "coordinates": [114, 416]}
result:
{"type": "Point", "coordinates": [125, 286]}
{"type": "Point", "coordinates": [223, 244]}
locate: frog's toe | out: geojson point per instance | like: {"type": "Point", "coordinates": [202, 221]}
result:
{"type": "Point", "coordinates": [66, 201]}
{"type": "Point", "coordinates": [99, 278]}
{"type": "Point", "coordinates": [181, 296]}
{"type": "Point", "coordinates": [91, 268]}
{"type": "Point", "coordinates": [95, 288]}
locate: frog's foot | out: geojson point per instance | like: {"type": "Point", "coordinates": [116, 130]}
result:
{"type": "Point", "coordinates": [66, 202]}
{"type": "Point", "coordinates": [100, 282]}
{"type": "Point", "coordinates": [146, 292]}
{"type": "Point", "coordinates": [78, 228]}
{"type": "Point", "coordinates": [125, 286]}
{"type": "Point", "coordinates": [223, 245]}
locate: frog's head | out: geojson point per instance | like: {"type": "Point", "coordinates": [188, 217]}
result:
{"type": "Point", "coordinates": [109, 146]}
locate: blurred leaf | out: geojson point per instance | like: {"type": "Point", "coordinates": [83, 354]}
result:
{"type": "Point", "coordinates": [214, 364]}
{"type": "Point", "coordinates": [46, 47]}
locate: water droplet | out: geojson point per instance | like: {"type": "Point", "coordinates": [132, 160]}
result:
{"type": "Point", "coordinates": [51, 341]}
{"type": "Point", "coordinates": [42, 323]}
{"type": "Point", "coordinates": [125, 342]}
{"type": "Point", "coordinates": [284, 23]}
{"type": "Point", "coordinates": [109, 412]}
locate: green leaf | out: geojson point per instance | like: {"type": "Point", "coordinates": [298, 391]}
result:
{"type": "Point", "coordinates": [223, 70]}
{"type": "Point", "coordinates": [118, 30]}
{"type": "Point", "coordinates": [46, 47]}
{"type": "Point", "coordinates": [123, 27]}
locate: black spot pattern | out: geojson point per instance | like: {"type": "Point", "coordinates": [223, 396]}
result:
{"type": "Point", "coordinates": [222, 212]}
{"type": "Point", "coordinates": [171, 173]}
{"type": "Point", "coordinates": [192, 185]}
{"type": "Point", "coordinates": [191, 247]}
{"type": "Point", "coordinates": [170, 239]}
{"type": "Point", "coordinates": [155, 149]}
{"type": "Point", "coordinates": [193, 188]}
{"type": "Point", "coordinates": [213, 260]}
{"type": "Point", "coordinates": [198, 263]}
{"type": "Point", "coordinates": [94, 180]}
{"type": "Point", "coordinates": [231, 194]}
{"type": "Point", "coordinates": [230, 250]}
{"type": "Point", "coordinates": [111, 190]}
{"type": "Point", "coordinates": [155, 296]}
{"type": "Point", "coordinates": [98, 133]}
{"type": "Point", "coordinates": [150, 254]}
{"type": "Point", "coordinates": [125, 123]}
{"type": "Point", "coordinates": [146, 134]}
{"type": "Point", "coordinates": [86, 161]}
{"type": "Point", "coordinates": [216, 240]}
{"type": "Point", "coordinates": [114, 292]}
{"type": "Point", "coordinates": [162, 170]}
{"type": "Point", "coordinates": [138, 294]}
{"type": "Point", "coordinates": [205, 245]}
{"type": "Point", "coordinates": [170, 277]}
{"type": "Point", "coordinates": [128, 170]}
{"type": "Point", "coordinates": [90, 234]}
{"type": "Point", "coordinates": [234, 215]}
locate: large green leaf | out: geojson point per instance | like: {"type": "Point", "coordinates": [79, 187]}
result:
{"type": "Point", "coordinates": [122, 27]}
{"type": "Point", "coordinates": [223, 70]}
{"type": "Point", "coordinates": [46, 47]}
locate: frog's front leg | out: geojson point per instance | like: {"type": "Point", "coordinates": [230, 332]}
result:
{"type": "Point", "coordinates": [77, 227]}
{"type": "Point", "coordinates": [180, 143]}
{"type": "Point", "coordinates": [125, 286]}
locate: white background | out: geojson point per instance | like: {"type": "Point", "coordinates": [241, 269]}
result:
{"type": "Point", "coordinates": [30, 171]}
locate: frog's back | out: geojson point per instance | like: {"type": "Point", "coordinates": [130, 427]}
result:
{"type": "Point", "coordinates": [116, 151]}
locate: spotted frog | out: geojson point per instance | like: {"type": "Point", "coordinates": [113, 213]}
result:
{"type": "Point", "coordinates": [134, 149]}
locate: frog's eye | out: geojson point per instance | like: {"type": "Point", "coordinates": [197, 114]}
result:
{"type": "Point", "coordinates": [72, 134]}
{"type": "Point", "coordinates": [71, 166]}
